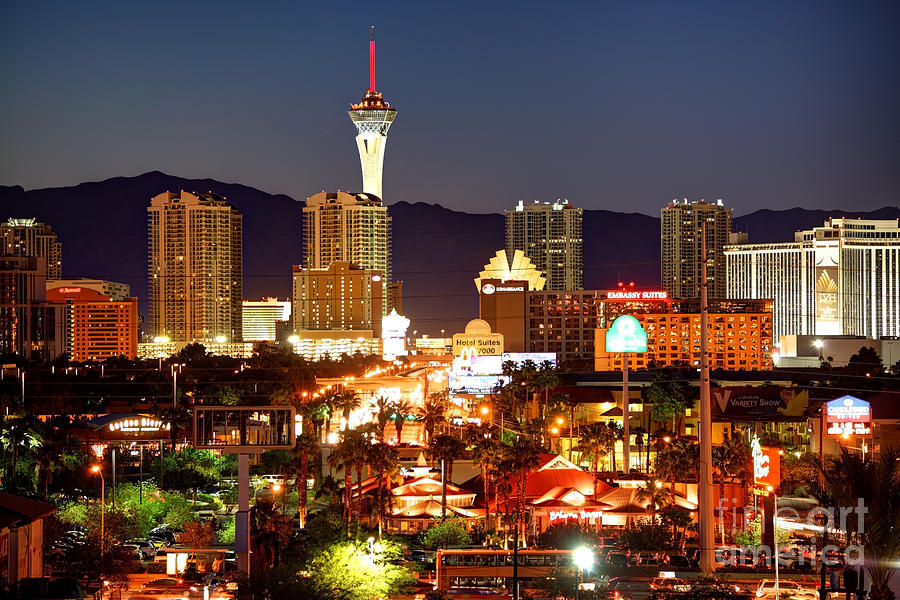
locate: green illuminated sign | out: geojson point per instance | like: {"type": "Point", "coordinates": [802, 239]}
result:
{"type": "Point", "coordinates": [626, 335]}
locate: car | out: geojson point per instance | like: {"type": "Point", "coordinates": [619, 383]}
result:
{"type": "Point", "coordinates": [165, 585]}
{"type": "Point", "coordinates": [670, 584]}
{"type": "Point", "coordinates": [799, 591]}
{"type": "Point", "coordinates": [680, 561]}
{"type": "Point", "coordinates": [273, 479]}
{"type": "Point", "coordinates": [130, 549]}
{"type": "Point", "coordinates": [627, 588]}
{"type": "Point", "coordinates": [163, 532]}
{"type": "Point", "coordinates": [617, 559]}
{"type": "Point", "coordinates": [147, 549]}
{"type": "Point", "coordinates": [161, 555]}
{"type": "Point", "coordinates": [648, 559]}
{"type": "Point", "coordinates": [213, 584]}
{"type": "Point", "coordinates": [158, 542]}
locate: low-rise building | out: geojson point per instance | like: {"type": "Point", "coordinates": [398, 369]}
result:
{"type": "Point", "coordinates": [22, 537]}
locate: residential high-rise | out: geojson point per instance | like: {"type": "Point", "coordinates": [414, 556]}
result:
{"type": "Point", "coordinates": [342, 297]}
{"type": "Point", "coordinates": [195, 270]}
{"type": "Point", "coordinates": [550, 235]}
{"type": "Point", "coordinates": [681, 247]}
{"type": "Point", "coordinates": [351, 228]}
{"type": "Point", "coordinates": [839, 279]}
{"type": "Point", "coordinates": [28, 237]}
{"type": "Point", "coordinates": [373, 117]}
{"type": "Point", "coordinates": [29, 325]}
{"type": "Point", "coordinates": [260, 318]}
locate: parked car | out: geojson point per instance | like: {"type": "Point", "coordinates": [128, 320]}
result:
{"type": "Point", "coordinates": [766, 589]}
{"type": "Point", "coordinates": [670, 584]}
{"type": "Point", "coordinates": [165, 585]}
{"type": "Point", "coordinates": [146, 548]}
{"type": "Point", "coordinates": [163, 532]}
{"type": "Point", "coordinates": [617, 559]}
{"type": "Point", "coordinates": [627, 588]}
{"type": "Point", "coordinates": [680, 561]}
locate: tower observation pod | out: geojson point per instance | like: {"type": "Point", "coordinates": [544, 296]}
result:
{"type": "Point", "coordinates": [373, 117]}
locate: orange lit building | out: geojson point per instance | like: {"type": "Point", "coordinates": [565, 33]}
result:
{"type": "Point", "coordinates": [740, 334]}
{"type": "Point", "coordinates": [98, 327]}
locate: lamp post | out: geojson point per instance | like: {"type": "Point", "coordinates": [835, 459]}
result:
{"type": "Point", "coordinates": [99, 471]}
{"type": "Point", "coordinates": [584, 560]}
{"type": "Point", "coordinates": [822, 519]}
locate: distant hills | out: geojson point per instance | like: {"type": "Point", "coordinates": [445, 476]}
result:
{"type": "Point", "coordinates": [437, 251]}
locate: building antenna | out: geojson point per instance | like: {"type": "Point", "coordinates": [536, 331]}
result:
{"type": "Point", "coordinates": [372, 61]}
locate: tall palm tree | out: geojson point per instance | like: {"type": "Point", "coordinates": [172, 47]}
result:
{"type": "Point", "coordinates": [385, 462]}
{"type": "Point", "coordinates": [546, 379]}
{"type": "Point", "coordinates": [402, 408]}
{"type": "Point", "coordinates": [342, 457]}
{"type": "Point", "coordinates": [328, 402]}
{"type": "Point", "coordinates": [516, 463]}
{"type": "Point", "coordinates": [346, 401]}
{"type": "Point", "coordinates": [731, 460]}
{"type": "Point", "coordinates": [49, 455]}
{"type": "Point", "coordinates": [383, 412]}
{"type": "Point", "coordinates": [305, 446]}
{"type": "Point", "coordinates": [433, 413]}
{"type": "Point", "coordinates": [599, 440]}
{"type": "Point", "coordinates": [486, 451]}
{"type": "Point", "coordinates": [270, 530]}
{"type": "Point", "coordinates": [445, 448]}
{"type": "Point", "coordinates": [678, 460]}
{"type": "Point", "coordinates": [360, 443]}
{"type": "Point", "coordinates": [656, 494]}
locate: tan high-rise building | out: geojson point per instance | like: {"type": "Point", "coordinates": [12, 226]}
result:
{"type": "Point", "coordinates": [352, 228]}
{"type": "Point", "coordinates": [28, 237]}
{"type": "Point", "coordinates": [195, 270]}
{"type": "Point", "coordinates": [99, 326]}
{"type": "Point", "coordinates": [550, 235]}
{"type": "Point", "coordinates": [681, 247]}
{"type": "Point", "coordinates": [342, 297]}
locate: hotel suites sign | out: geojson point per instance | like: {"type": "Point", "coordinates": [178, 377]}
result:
{"type": "Point", "coordinates": [848, 415]}
{"type": "Point", "coordinates": [632, 295]}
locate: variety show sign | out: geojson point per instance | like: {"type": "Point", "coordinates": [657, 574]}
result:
{"type": "Point", "coordinates": [848, 415]}
{"type": "Point", "coordinates": [766, 403]}
{"type": "Point", "coordinates": [766, 464]}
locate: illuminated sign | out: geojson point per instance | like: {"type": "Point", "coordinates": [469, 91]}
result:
{"type": "Point", "coordinates": [626, 335]}
{"type": "Point", "coordinates": [618, 295]}
{"type": "Point", "coordinates": [485, 344]}
{"type": "Point", "coordinates": [488, 289]}
{"type": "Point", "coordinates": [510, 288]}
{"type": "Point", "coordinates": [475, 384]}
{"type": "Point", "coordinates": [393, 335]}
{"type": "Point", "coordinates": [766, 464]}
{"type": "Point", "coordinates": [585, 513]}
{"type": "Point", "coordinates": [69, 290]}
{"type": "Point", "coordinates": [139, 425]}
{"type": "Point", "coordinates": [848, 416]}
{"type": "Point", "coordinates": [536, 357]}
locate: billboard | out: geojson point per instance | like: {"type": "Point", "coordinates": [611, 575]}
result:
{"type": "Point", "coordinates": [626, 334]}
{"type": "Point", "coordinates": [765, 403]}
{"type": "Point", "coordinates": [482, 344]}
{"type": "Point", "coordinates": [475, 384]}
{"type": "Point", "coordinates": [848, 415]}
{"type": "Point", "coordinates": [244, 428]}
{"type": "Point", "coordinates": [827, 286]}
{"type": "Point", "coordinates": [536, 357]}
{"type": "Point", "coordinates": [766, 464]}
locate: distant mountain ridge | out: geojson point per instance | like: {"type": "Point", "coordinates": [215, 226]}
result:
{"type": "Point", "coordinates": [436, 251]}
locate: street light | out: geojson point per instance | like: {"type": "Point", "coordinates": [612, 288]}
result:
{"type": "Point", "coordinates": [584, 560]}
{"type": "Point", "coordinates": [96, 469]}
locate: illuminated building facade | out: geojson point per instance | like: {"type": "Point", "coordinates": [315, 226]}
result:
{"type": "Point", "coordinates": [29, 325]}
{"type": "Point", "coordinates": [839, 279]}
{"type": "Point", "coordinates": [740, 334]}
{"type": "Point", "coordinates": [99, 327]}
{"type": "Point", "coordinates": [319, 345]}
{"type": "Point", "coordinates": [550, 235]}
{"type": "Point", "coordinates": [681, 247]}
{"type": "Point", "coordinates": [373, 117]}
{"type": "Point", "coordinates": [349, 228]}
{"type": "Point", "coordinates": [113, 289]}
{"type": "Point", "coordinates": [28, 237]}
{"type": "Point", "coordinates": [341, 297]}
{"type": "Point", "coordinates": [195, 268]}
{"type": "Point", "coordinates": [259, 318]}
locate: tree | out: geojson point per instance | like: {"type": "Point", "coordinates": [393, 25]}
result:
{"type": "Point", "coordinates": [353, 571]}
{"type": "Point", "coordinates": [401, 408]}
{"type": "Point", "coordinates": [385, 462]}
{"type": "Point", "coordinates": [19, 436]}
{"type": "Point", "coordinates": [598, 440]}
{"type": "Point", "coordinates": [346, 401]}
{"type": "Point", "coordinates": [383, 414]}
{"type": "Point", "coordinates": [516, 463]}
{"type": "Point", "coordinates": [305, 446]}
{"type": "Point", "coordinates": [865, 363]}
{"type": "Point", "coordinates": [433, 413]}
{"type": "Point", "coordinates": [270, 530]}
{"type": "Point", "coordinates": [678, 460]}
{"type": "Point", "coordinates": [546, 378]}
{"type": "Point", "coordinates": [341, 458]}
{"type": "Point", "coordinates": [190, 353]}
{"type": "Point", "coordinates": [486, 452]}
{"type": "Point", "coordinates": [448, 533]}
{"type": "Point", "coordinates": [568, 535]}
{"type": "Point", "coordinates": [676, 517]}
{"type": "Point", "coordinates": [669, 398]}
{"type": "Point", "coordinates": [655, 494]}
{"type": "Point", "coordinates": [447, 449]}
{"type": "Point", "coordinates": [197, 535]}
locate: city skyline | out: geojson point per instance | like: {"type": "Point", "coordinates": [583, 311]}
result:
{"type": "Point", "coordinates": [681, 102]}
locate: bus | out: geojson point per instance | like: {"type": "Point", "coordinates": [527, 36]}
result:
{"type": "Point", "coordinates": [489, 573]}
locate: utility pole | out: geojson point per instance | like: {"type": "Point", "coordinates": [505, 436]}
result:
{"type": "Point", "coordinates": [626, 434]}
{"type": "Point", "coordinates": [707, 534]}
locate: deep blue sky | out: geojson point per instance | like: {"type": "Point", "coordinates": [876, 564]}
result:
{"type": "Point", "coordinates": [617, 105]}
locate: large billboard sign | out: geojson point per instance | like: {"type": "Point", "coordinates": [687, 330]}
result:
{"type": "Point", "coordinates": [848, 415]}
{"type": "Point", "coordinates": [766, 464]}
{"type": "Point", "coordinates": [240, 429]}
{"type": "Point", "coordinates": [827, 285]}
{"type": "Point", "coordinates": [475, 384]}
{"type": "Point", "coordinates": [538, 358]}
{"type": "Point", "coordinates": [482, 344]}
{"type": "Point", "coordinates": [626, 334]}
{"type": "Point", "coordinates": [764, 403]}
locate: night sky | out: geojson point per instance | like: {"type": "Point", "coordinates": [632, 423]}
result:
{"type": "Point", "coordinates": [620, 105]}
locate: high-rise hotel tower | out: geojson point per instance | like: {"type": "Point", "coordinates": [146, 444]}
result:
{"type": "Point", "coordinates": [195, 271]}
{"type": "Point", "coordinates": [373, 117]}
{"type": "Point", "coordinates": [682, 258]}
{"type": "Point", "coordinates": [550, 235]}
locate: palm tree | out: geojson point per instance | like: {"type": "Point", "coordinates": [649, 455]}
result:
{"type": "Point", "coordinates": [360, 442]}
{"type": "Point", "coordinates": [876, 479]}
{"type": "Point", "coordinates": [328, 402]}
{"type": "Point", "coordinates": [305, 446]}
{"type": "Point", "coordinates": [638, 433]}
{"type": "Point", "coordinates": [731, 460]}
{"type": "Point", "coordinates": [679, 460]}
{"type": "Point", "coordinates": [19, 435]}
{"type": "Point", "coordinates": [346, 401]}
{"type": "Point", "coordinates": [599, 440]}
{"type": "Point", "coordinates": [402, 408]}
{"type": "Point", "coordinates": [655, 493]}
{"type": "Point", "coordinates": [447, 449]}
{"type": "Point", "coordinates": [486, 451]}
{"type": "Point", "coordinates": [385, 462]}
{"type": "Point", "coordinates": [546, 379]}
{"type": "Point", "coordinates": [342, 457]}
{"type": "Point", "coordinates": [516, 463]}
{"type": "Point", "coordinates": [382, 415]}
{"type": "Point", "coordinates": [269, 531]}
{"type": "Point", "coordinates": [433, 413]}
{"type": "Point", "coordinates": [48, 456]}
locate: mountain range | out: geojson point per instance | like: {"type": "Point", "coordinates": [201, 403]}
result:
{"type": "Point", "coordinates": [436, 251]}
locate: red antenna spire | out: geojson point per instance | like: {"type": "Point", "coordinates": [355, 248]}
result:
{"type": "Point", "coordinates": [372, 61]}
